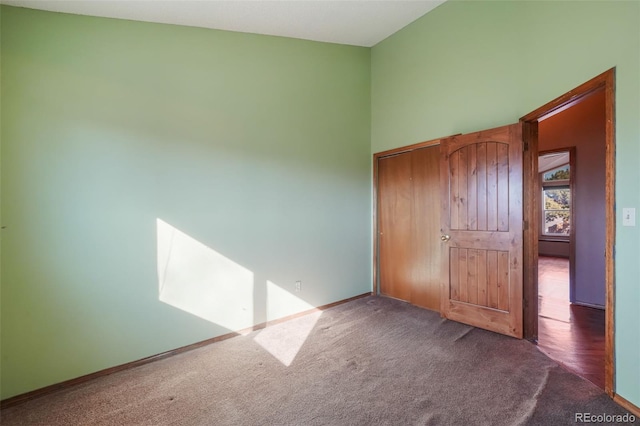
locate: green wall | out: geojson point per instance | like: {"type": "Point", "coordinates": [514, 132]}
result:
{"type": "Point", "coordinates": [473, 65]}
{"type": "Point", "coordinates": [252, 150]}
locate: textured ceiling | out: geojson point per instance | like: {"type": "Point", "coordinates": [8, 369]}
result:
{"type": "Point", "coordinates": [354, 22]}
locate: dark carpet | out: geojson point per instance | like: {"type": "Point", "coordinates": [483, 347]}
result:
{"type": "Point", "coordinates": [372, 361]}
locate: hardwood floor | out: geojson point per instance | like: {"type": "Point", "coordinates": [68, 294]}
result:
{"type": "Point", "coordinates": [573, 335]}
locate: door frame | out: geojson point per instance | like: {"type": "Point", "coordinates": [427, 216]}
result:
{"type": "Point", "coordinates": [606, 82]}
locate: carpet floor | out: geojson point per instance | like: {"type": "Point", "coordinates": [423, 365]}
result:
{"type": "Point", "coordinates": [371, 361]}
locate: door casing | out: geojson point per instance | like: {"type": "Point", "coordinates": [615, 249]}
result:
{"type": "Point", "coordinates": [606, 82]}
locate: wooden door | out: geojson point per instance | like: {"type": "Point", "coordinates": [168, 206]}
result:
{"type": "Point", "coordinates": [425, 245]}
{"type": "Point", "coordinates": [481, 184]}
{"type": "Point", "coordinates": [408, 211]}
{"type": "Point", "coordinates": [394, 211]}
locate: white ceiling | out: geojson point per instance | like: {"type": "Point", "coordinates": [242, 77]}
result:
{"type": "Point", "coordinates": [354, 22]}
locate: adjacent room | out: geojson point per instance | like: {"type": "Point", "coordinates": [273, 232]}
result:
{"type": "Point", "coordinates": [190, 211]}
{"type": "Point", "coordinates": [572, 239]}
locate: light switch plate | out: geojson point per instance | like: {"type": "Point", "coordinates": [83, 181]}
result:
{"type": "Point", "coordinates": [628, 216]}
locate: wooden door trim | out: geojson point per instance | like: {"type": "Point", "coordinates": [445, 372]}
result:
{"type": "Point", "coordinates": [606, 82]}
{"type": "Point", "coordinates": [375, 288]}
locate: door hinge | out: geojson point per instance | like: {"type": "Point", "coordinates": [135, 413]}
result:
{"type": "Point", "coordinates": [525, 146]}
{"type": "Point", "coordinates": [525, 225]}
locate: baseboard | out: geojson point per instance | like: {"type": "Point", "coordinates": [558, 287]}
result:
{"type": "Point", "coordinates": [629, 406]}
{"type": "Point", "coordinates": [588, 305]}
{"type": "Point", "coordinates": [19, 399]}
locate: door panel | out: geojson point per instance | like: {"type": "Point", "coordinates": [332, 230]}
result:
{"type": "Point", "coordinates": [479, 187]}
{"type": "Point", "coordinates": [481, 183]}
{"type": "Point", "coordinates": [409, 227]}
{"type": "Point", "coordinates": [394, 209]}
{"type": "Point", "coordinates": [426, 248]}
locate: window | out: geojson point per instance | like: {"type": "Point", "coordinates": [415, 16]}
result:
{"type": "Point", "coordinates": [556, 202]}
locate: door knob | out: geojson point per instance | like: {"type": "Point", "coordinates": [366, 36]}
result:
{"type": "Point", "coordinates": [445, 238]}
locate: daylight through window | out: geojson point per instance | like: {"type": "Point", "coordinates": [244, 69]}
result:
{"type": "Point", "coordinates": [556, 200]}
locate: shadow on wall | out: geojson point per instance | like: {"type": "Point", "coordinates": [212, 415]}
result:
{"type": "Point", "coordinates": [201, 281]}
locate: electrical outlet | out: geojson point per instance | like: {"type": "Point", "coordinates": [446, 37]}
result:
{"type": "Point", "coordinates": [298, 285]}
{"type": "Point", "coordinates": [628, 216]}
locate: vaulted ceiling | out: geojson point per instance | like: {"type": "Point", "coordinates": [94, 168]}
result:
{"type": "Point", "coordinates": [353, 22]}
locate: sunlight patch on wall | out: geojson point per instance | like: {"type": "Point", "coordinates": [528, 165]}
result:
{"type": "Point", "coordinates": [199, 280]}
{"type": "Point", "coordinates": [285, 340]}
{"type": "Point", "coordinates": [281, 303]}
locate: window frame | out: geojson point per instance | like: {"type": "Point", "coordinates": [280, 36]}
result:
{"type": "Point", "coordinates": [563, 184]}
{"type": "Point", "coordinates": [557, 184]}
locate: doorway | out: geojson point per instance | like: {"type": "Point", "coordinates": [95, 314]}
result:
{"type": "Point", "coordinates": [571, 312]}
{"type": "Point", "coordinates": [584, 301]}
